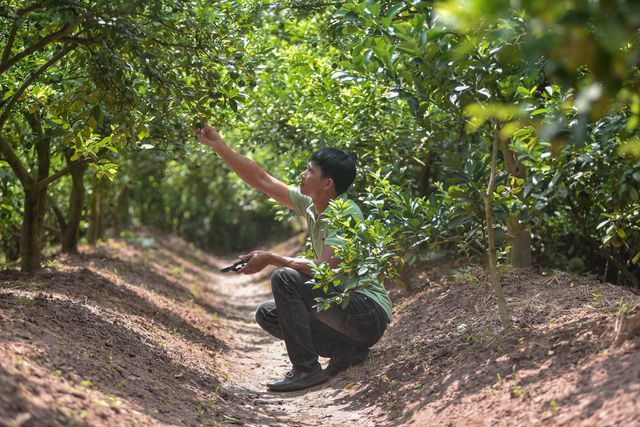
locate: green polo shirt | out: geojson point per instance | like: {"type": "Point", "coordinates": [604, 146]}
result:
{"type": "Point", "coordinates": [318, 231]}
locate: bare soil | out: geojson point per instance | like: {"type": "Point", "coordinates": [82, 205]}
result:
{"type": "Point", "coordinates": [146, 331]}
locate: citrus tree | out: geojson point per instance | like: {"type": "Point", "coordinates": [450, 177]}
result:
{"type": "Point", "coordinates": [81, 81]}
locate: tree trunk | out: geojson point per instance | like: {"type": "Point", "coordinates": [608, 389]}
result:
{"type": "Point", "coordinates": [35, 190]}
{"type": "Point", "coordinates": [491, 244]}
{"type": "Point", "coordinates": [95, 214]}
{"type": "Point", "coordinates": [122, 210]}
{"type": "Point", "coordinates": [35, 197]}
{"type": "Point", "coordinates": [427, 175]}
{"type": "Point", "coordinates": [30, 251]}
{"type": "Point", "coordinates": [519, 238]}
{"type": "Point", "coordinates": [518, 235]}
{"type": "Point", "coordinates": [71, 233]}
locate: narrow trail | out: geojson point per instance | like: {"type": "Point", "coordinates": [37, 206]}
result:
{"type": "Point", "coordinates": [255, 358]}
{"type": "Point", "coordinates": [146, 332]}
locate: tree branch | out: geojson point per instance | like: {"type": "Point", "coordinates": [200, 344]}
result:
{"type": "Point", "coordinates": [34, 76]}
{"type": "Point", "coordinates": [25, 10]}
{"type": "Point", "coordinates": [21, 12]}
{"type": "Point", "coordinates": [16, 165]}
{"type": "Point", "coordinates": [42, 145]}
{"type": "Point", "coordinates": [48, 180]}
{"type": "Point", "coordinates": [14, 29]}
{"type": "Point", "coordinates": [59, 215]}
{"type": "Point", "coordinates": [52, 229]}
{"type": "Point", "coordinates": [64, 31]}
{"type": "Point", "coordinates": [10, 40]}
{"type": "Point", "coordinates": [79, 40]}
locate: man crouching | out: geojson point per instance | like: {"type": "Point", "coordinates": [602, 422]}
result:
{"type": "Point", "coordinates": [343, 335]}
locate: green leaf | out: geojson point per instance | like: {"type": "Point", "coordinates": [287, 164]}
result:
{"type": "Point", "coordinates": [143, 134]}
{"type": "Point", "coordinates": [395, 9]}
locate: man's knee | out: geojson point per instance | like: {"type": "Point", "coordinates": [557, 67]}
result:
{"type": "Point", "coordinates": [263, 313]}
{"type": "Point", "coordinates": [268, 320]}
{"type": "Point", "coordinates": [283, 277]}
{"type": "Point", "coordinates": [283, 274]}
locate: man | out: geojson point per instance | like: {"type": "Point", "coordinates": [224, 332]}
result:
{"type": "Point", "coordinates": [344, 335]}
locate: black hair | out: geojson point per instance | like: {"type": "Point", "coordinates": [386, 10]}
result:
{"type": "Point", "coordinates": [337, 165]}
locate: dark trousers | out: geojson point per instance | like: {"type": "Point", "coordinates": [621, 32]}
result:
{"type": "Point", "coordinates": [308, 333]}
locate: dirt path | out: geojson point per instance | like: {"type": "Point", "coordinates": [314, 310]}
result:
{"type": "Point", "coordinates": [254, 358]}
{"type": "Point", "coordinates": [146, 332]}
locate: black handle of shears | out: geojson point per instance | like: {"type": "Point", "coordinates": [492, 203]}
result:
{"type": "Point", "coordinates": [234, 267]}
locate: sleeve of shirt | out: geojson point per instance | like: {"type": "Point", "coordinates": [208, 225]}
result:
{"type": "Point", "coordinates": [299, 201]}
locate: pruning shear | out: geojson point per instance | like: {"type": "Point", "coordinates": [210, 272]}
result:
{"type": "Point", "coordinates": [235, 267]}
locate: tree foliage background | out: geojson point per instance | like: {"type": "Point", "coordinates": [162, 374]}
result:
{"type": "Point", "coordinates": [98, 100]}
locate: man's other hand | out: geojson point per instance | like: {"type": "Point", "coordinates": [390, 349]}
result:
{"type": "Point", "coordinates": [256, 261]}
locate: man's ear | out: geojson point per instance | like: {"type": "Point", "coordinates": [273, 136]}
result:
{"type": "Point", "coordinates": [330, 184]}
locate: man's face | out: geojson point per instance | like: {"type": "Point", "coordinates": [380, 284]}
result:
{"type": "Point", "coordinates": [312, 182]}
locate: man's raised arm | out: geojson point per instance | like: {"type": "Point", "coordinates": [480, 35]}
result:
{"type": "Point", "coordinates": [246, 169]}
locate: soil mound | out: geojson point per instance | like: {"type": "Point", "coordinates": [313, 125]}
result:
{"type": "Point", "coordinates": [445, 360]}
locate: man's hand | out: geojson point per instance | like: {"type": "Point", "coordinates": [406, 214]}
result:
{"type": "Point", "coordinates": [209, 136]}
{"type": "Point", "coordinates": [257, 260]}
